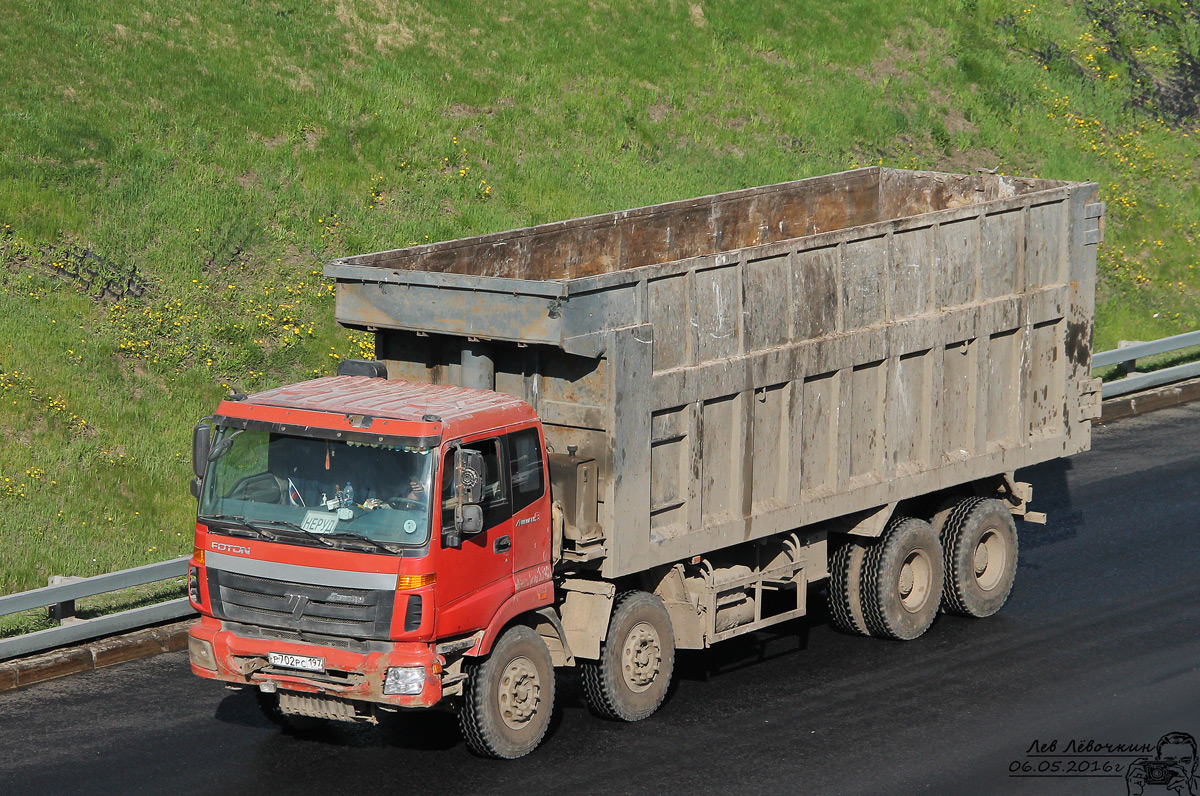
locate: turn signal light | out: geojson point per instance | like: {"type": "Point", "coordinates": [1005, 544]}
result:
{"type": "Point", "coordinates": [198, 556]}
{"type": "Point", "coordinates": [415, 581]}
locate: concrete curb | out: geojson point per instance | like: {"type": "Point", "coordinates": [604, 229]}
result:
{"type": "Point", "coordinates": [1150, 400]}
{"type": "Point", "coordinates": [94, 655]}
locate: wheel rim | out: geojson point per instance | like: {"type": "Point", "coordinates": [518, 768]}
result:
{"type": "Point", "coordinates": [990, 559]}
{"type": "Point", "coordinates": [915, 581]}
{"type": "Point", "coordinates": [641, 657]}
{"type": "Point", "coordinates": [519, 693]}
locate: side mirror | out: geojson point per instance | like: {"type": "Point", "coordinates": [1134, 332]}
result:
{"type": "Point", "coordinates": [197, 485]}
{"type": "Point", "coordinates": [468, 519]}
{"type": "Point", "coordinates": [470, 474]}
{"type": "Point", "coordinates": [201, 441]}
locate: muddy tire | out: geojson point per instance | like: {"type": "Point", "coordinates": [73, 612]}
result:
{"type": "Point", "coordinates": [845, 578]}
{"type": "Point", "coordinates": [979, 543]}
{"type": "Point", "coordinates": [269, 705]}
{"type": "Point", "coordinates": [509, 697]}
{"type": "Point", "coordinates": [631, 679]}
{"type": "Point", "coordinates": [902, 580]}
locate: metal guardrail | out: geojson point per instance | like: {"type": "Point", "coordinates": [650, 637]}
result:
{"type": "Point", "coordinates": [1157, 378]}
{"type": "Point", "coordinates": [63, 595]}
{"type": "Point", "coordinates": [61, 598]}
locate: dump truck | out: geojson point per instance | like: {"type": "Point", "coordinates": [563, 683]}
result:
{"type": "Point", "coordinates": [596, 442]}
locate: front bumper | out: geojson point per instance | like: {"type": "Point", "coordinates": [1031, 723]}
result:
{"type": "Point", "coordinates": [349, 673]}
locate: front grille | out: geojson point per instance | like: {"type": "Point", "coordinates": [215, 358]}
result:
{"type": "Point", "coordinates": [254, 631]}
{"type": "Point", "coordinates": [303, 607]}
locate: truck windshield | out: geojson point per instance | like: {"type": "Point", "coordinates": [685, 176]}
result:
{"type": "Point", "coordinates": [306, 491]}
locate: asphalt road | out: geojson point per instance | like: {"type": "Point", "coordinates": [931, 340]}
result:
{"type": "Point", "coordinates": [1100, 642]}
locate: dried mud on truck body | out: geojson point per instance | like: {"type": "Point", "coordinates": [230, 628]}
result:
{"type": "Point", "coordinates": [746, 364]}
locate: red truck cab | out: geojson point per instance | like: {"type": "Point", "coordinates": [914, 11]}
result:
{"type": "Point", "coordinates": [332, 567]}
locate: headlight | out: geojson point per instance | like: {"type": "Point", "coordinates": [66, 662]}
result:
{"type": "Point", "coordinates": [404, 680]}
{"type": "Point", "coordinates": [201, 653]}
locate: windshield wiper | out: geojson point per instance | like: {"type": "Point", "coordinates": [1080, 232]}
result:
{"type": "Point", "coordinates": [240, 526]}
{"type": "Point", "coordinates": [353, 537]}
{"type": "Point", "coordinates": [232, 517]}
{"type": "Point", "coordinates": [255, 529]}
{"type": "Point", "coordinates": [291, 526]}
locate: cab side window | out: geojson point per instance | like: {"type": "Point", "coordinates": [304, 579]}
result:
{"type": "Point", "coordinates": [525, 465]}
{"type": "Point", "coordinates": [496, 505]}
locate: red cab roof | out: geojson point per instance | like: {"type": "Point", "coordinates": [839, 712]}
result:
{"type": "Point", "coordinates": [421, 409]}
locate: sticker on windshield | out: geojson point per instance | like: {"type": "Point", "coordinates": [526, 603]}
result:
{"type": "Point", "coordinates": [410, 526]}
{"type": "Point", "coordinates": [319, 522]}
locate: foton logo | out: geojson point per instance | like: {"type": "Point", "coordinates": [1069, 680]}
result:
{"type": "Point", "coordinates": [222, 547]}
{"type": "Point", "coordinates": [351, 599]}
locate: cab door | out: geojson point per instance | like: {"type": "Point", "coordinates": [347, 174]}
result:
{"type": "Point", "coordinates": [475, 579]}
{"type": "Point", "coordinates": [530, 508]}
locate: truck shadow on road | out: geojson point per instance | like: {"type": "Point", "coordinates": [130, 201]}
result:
{"type": "Point", "coordinates": [1053, 495]}
{"type": "Point", "coordinates": [780, 641]}
{"type": "Point", "coordinates": [422, 730]}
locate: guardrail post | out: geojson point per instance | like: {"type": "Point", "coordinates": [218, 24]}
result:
{"type": "Point", "coordinates": [64, 612]}
{"type": "Point", "coordinates": [1129, 366]}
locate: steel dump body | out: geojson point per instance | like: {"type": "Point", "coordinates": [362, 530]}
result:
{"type": "Point", "coordinates": [749, 363]}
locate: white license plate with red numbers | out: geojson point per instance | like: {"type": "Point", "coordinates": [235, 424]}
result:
{"type": "Point", "coordinates": [302, 662]}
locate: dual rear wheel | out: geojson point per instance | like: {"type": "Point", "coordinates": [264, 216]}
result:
{"type": "Point", "coordinates": [893, 586]}
{"type": "Point", "coordinates": [979, 541]}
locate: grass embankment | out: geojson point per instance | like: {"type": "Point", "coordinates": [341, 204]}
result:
{"type": "Point", "coordinates": [170, 184]}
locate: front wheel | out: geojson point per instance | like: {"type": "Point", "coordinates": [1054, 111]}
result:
{"type": "Point", "coordinates": [630, 680]}
{"type": "Point", "coordinates": [509, 697]}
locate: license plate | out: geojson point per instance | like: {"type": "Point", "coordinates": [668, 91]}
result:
{"type": "Point", "coordinates": [319, 522]}
{"type": "Point", "coordinates": [303, 662]}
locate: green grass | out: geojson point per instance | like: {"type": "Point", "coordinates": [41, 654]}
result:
{"type": "Point", "coordinates": [219, 160]}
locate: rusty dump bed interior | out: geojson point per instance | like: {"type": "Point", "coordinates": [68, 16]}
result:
{"type": "Point", "coordinates": [749, 363]}
{"type": "Point", "coordinates": [663, 233]}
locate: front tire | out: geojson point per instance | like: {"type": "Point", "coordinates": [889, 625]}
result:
{"type": "Point", "coordinates": [630, 680]}
{"type": "Point", "coordinates": [902, 580]}
{"type": "Point", "coordinates": [980, 543]}
{"type": "Point", "coordinates": [509, 698]}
